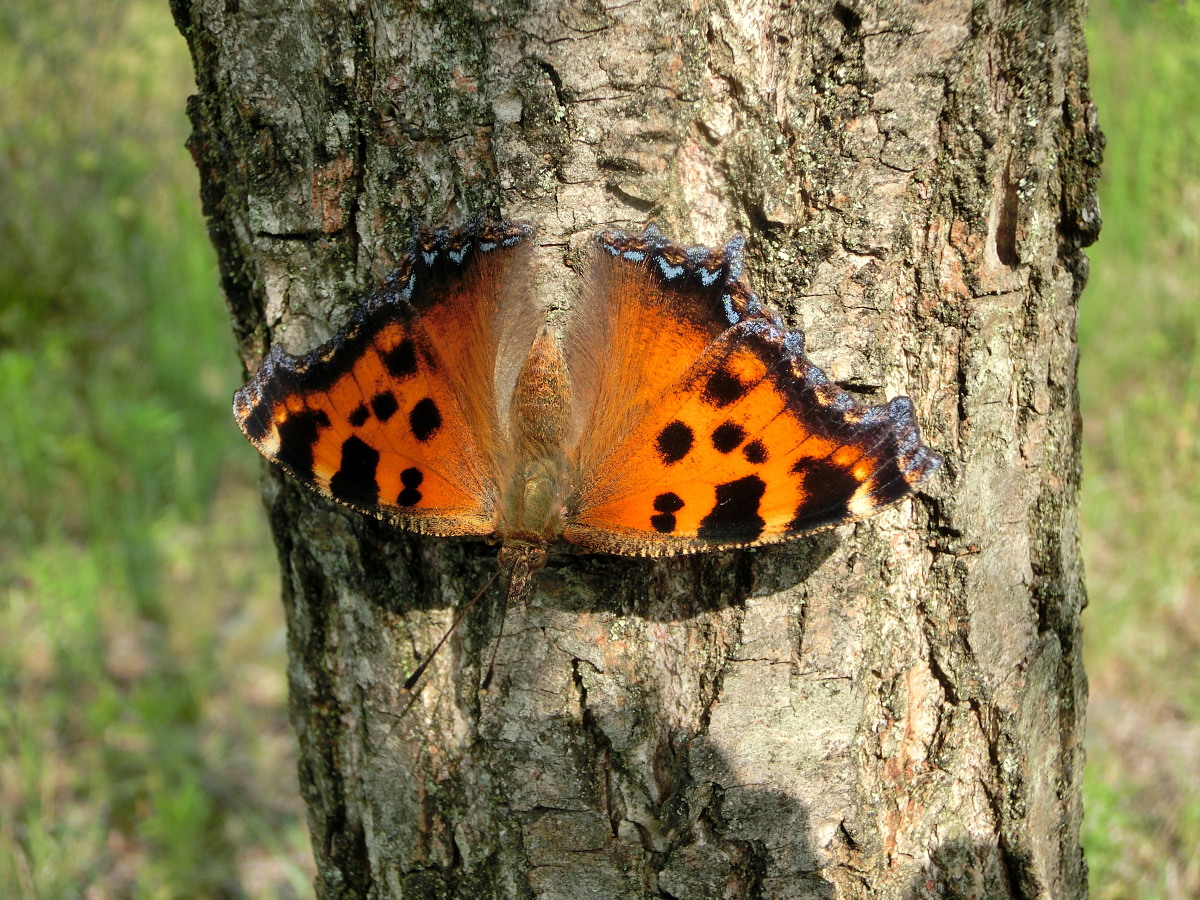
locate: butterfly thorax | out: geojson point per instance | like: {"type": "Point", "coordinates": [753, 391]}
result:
{"type": "Point", "coordinates": [540, 471]}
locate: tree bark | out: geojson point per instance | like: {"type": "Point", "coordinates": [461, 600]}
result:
{"type": "Point", "coordinates": [893, 709]}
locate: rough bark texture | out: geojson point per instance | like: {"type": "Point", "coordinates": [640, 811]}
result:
{"type": "Point", "coordinates": [894, 709]}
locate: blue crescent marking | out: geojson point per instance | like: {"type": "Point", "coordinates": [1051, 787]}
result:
{"type": "Point", "coordinates": [634, 255]}
{"type": "Point", "coordinates": [429, 256]}
{"type": "Point", "coordinates": [669, 271]}
{"type": "Point", "coordinates": [730, 314]}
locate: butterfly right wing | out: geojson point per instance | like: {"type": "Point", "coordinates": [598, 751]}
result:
{"type": "Point", "coordinates": [728, 436]}
{"type": "Point", "coordinates": [399, 414]}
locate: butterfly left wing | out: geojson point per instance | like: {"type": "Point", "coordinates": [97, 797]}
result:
{"type": "Point", "coordinates": [751, 444]}
{"type": "Point", "coordinates": [402, 415]}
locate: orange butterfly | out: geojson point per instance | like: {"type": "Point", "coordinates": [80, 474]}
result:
{"type": "Point", "coordinates": [676, 414]}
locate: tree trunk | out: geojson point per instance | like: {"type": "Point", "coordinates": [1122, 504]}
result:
{"type": "Point", "coordinates": [893, 709]}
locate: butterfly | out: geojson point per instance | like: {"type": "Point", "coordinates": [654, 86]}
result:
{"type": "Point", "coordinates": [675, 412]}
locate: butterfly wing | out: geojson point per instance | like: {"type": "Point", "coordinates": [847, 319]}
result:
{"type": "Point", "coordinates": [738, 439]}
{"type": "Point", "coordinates": [403, 414]}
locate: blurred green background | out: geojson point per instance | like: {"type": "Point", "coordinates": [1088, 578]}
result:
{"type": "Point", "coordinates": [144, 745]}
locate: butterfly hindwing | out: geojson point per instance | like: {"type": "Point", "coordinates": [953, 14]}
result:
{"type": "Point", "coordinates": [751, 444]}
{"type": "Point", "coordinates": [397, 414]}
{"type": "Point", "coordinates": [472, 298]}
{"type": "Point", "coordinates": [643, 318]}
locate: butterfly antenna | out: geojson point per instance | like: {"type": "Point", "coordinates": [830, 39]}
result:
{"type": "Point", "coordinates": [412, 679]}
{"type": "Point", "coordinates": [491, 669]}
{"type": "Point", "coordinates": [520, 563]}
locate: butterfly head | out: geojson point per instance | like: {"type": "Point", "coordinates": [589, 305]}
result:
{"type": "Point", "coordinates": [521, 561]}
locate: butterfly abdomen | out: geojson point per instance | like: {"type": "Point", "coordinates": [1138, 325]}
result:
{"type": "Point", "coordinates": [541, 400]}
{"type": "Point", "coordinates": [540, 470]}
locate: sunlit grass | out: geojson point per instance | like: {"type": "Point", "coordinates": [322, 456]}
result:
{"type": "Point", "coordinates": [144, 748]}
{"type": "Point", "coordinates": [1140, 387]}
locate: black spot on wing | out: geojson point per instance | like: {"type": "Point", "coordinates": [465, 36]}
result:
{"type": "Point", "coordinates": [355, 478]}
{"type": "Point", "coordinates": [827, 488]}
{"type": "Point", "coordinates": [674, 442]}
{"type": "Point", "coordinates": [384, 405]}
{"type": "Point", "coordinates": [298, 435]}
{"type": "Point", "coordinates": [723, 388]}
{"type": "Point", "coordinates": [670, 502]}
{"type": "Point", "coordinates": [411, 479]}
{"type": "Point", "coordinates": [666, 505]}
{"type": "Point", "coordinates": [734, 518]}
{"type": "Point", "coordinates": [401, 360]}
{"type": "Point", "coordinates": [425, 419]}
{"type": "Point", "coordinates": [359, 415]}
{"type": "Point", "coordinates": [728, 437]}
{"type": "Point", "coordinates": [663, 523]}
{"type": "Point", "coordinates": [755, 452]}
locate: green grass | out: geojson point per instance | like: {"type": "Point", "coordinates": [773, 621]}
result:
{"type": "Point", "coordinates": [1140, 385]}
{"type": "Point", "coordinates": [144, 748]}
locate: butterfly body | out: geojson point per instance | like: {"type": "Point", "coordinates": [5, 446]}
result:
{"type": "Point", "coordinates": [535, 511]}
{"type": "Point", "coordinates": [675, 413]}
